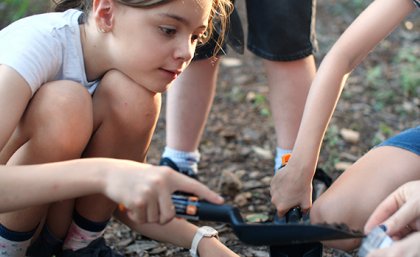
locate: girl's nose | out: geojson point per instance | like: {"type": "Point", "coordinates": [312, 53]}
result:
{"type": "Point", "coordinates": [185, 51]}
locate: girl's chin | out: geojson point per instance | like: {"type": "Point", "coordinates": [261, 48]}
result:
{"type": "Point", "coordinates": [160, 88]}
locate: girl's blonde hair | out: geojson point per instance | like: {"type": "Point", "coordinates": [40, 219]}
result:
{"type": "Point", "coordinates": [219, 14]}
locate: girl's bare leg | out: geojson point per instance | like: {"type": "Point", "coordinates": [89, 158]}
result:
{"type": "Point", "coordinates": [125, 116]}
{"type": "Point", "coordinates": [356, 193]}
{"type": "Point", "coordinates": [55, 127]}
{"type": "Point", "coordinates": [189, 101]}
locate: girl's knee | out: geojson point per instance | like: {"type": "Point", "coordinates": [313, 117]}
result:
{"type": "Point", "coordinates": [328, 209]}
{"type": "Point", "coordinates": [127, 104]}
{"type": "Point", "coordinates": [63, 96]}
{"type": "Point", "coordinates": [319, 211]}
{"type": "Point", "coordinates": [60, 113]}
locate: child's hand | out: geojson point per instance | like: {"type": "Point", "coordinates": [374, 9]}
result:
{"type": "Point", "coordinates": [399, 212]}
{"type": "Point", "coordinates": [289, 190]}
{"type": "Point", "coordinates": [146, 190]}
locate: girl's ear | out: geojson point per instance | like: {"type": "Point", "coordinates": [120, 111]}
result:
{"type": "Point", "coordinates": [103, 11]}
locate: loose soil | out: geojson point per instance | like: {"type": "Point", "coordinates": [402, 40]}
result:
{"type": "Point", "coordinates": [381, 98]}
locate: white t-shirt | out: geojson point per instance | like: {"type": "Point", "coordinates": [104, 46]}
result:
{"type": "Point", "coordinates": [45, 47]}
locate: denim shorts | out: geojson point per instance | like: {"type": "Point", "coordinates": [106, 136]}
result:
{"type": "Point", "coordinates": [278, 30]}
{"type": "Point", "coordinates": [408, 139]}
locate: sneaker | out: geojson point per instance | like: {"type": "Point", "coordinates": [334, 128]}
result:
{"type": "Point", "coordinates": [96, 248]}
{"type": "Point", "coordinates": [165, 161]}
{"type": "Point", "coordinates": [41, 248]}
{"type": "Point", "coordinates": [46, 245]}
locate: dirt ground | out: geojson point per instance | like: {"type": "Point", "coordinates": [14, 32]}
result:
{"type": "Point", "coordinates": [380, 99]}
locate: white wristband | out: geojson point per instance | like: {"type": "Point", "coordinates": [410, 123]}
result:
{"type": "Point", "coordinates": [204, 231]}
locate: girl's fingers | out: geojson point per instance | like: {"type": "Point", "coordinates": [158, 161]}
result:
{"type": "Point", "coordinates": [385, 209]}
{"type": "Point", "coordinates": [406, 200]}
{"type": "Point", "coordinates": [186, 184]}
{"type": "Point", "coordinates": [281, 211]}
{"type": "Point", "coordinates": [167, 209]}
{"type": "Point", "coordinates": [152, 211]}
{"type": "Point", "coordinates": [138, 215]}
{"type": "Point", "coordinates": [403, 217]}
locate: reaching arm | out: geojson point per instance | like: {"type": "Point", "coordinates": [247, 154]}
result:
{"type": "Point", "coordinates": [178, 232]}
{"type": "Point", "coordinates": [374, 24]}
{"type": "Point", "coordinates": [29, 185]}
{"type": "Point", "coordinates": [14, 97]}
{"type": "Point", "coordinates": [140, 187]}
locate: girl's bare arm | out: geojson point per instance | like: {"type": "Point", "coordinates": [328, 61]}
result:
{"type": "Point", "coordinates": [179, 232]}
{"type": "Point", "coordinates": [14, 97]}
{"type": "Point", "coordinates": [374, 24]}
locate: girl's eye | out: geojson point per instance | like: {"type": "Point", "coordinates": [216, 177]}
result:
{"type": "Point", "coordinates": [198, 38]}
{"type": "Point", "coordinates": [168, 31]}
{"type": "Point", "coordinates": [195, 37]}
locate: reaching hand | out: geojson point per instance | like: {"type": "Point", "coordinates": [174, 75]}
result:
{"type": "Point", "coordinates": [146, 190]}
{"type": "Point", "coordinates": [399, 212]}
{"type": "Point", "coordinates": [289, 190]}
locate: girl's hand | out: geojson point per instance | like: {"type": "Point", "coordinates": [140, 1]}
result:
{"type": "Point", "coordinates": [289, 190]}
{"type": "Point", "coordinates": [399, 212]}
{"type": "Point", "coordinates": [407, 247]}
{"type": "Point", "coordinates": [146, 190]}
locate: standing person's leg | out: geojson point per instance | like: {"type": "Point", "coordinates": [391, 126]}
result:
{"type": "Point", "coordinates": [287, 97]}
{"type": "Point", "coordinates": [188, 105]}
{"type": "Point", "coordinates": [357, 192]}
{"type": "Point", "coordinates": [282, 33]}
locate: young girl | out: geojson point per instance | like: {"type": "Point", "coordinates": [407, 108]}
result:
{"type": "Point", "coordinates": [356, 193]}
{"type": "Point", "coordinates": [87, 84]}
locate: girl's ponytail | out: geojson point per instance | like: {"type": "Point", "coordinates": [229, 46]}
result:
{"type": "Point", "coordinates": [63, 5]}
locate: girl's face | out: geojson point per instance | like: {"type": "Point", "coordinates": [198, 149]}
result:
{"type": "Point", "coordinates": [154, 45]}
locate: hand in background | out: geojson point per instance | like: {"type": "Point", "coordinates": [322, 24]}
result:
{"type": "Point", "coordinates": [399, 212]}
{"type": "Point", "coordinates": [289, 190]}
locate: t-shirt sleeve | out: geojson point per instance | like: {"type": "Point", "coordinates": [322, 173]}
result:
{"type": "Point", "coordinates": [34, 54]}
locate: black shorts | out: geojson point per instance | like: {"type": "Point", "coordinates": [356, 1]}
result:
{"type": "Point", "coordinates": [278, 30]}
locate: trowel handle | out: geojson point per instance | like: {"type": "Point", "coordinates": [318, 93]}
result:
{"type": "Point", "coordinates": [294, 215]}
{"type": "Point", "coordinates": [191, 208]}
{"type": "Point", "coordinates": [186, 206]}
